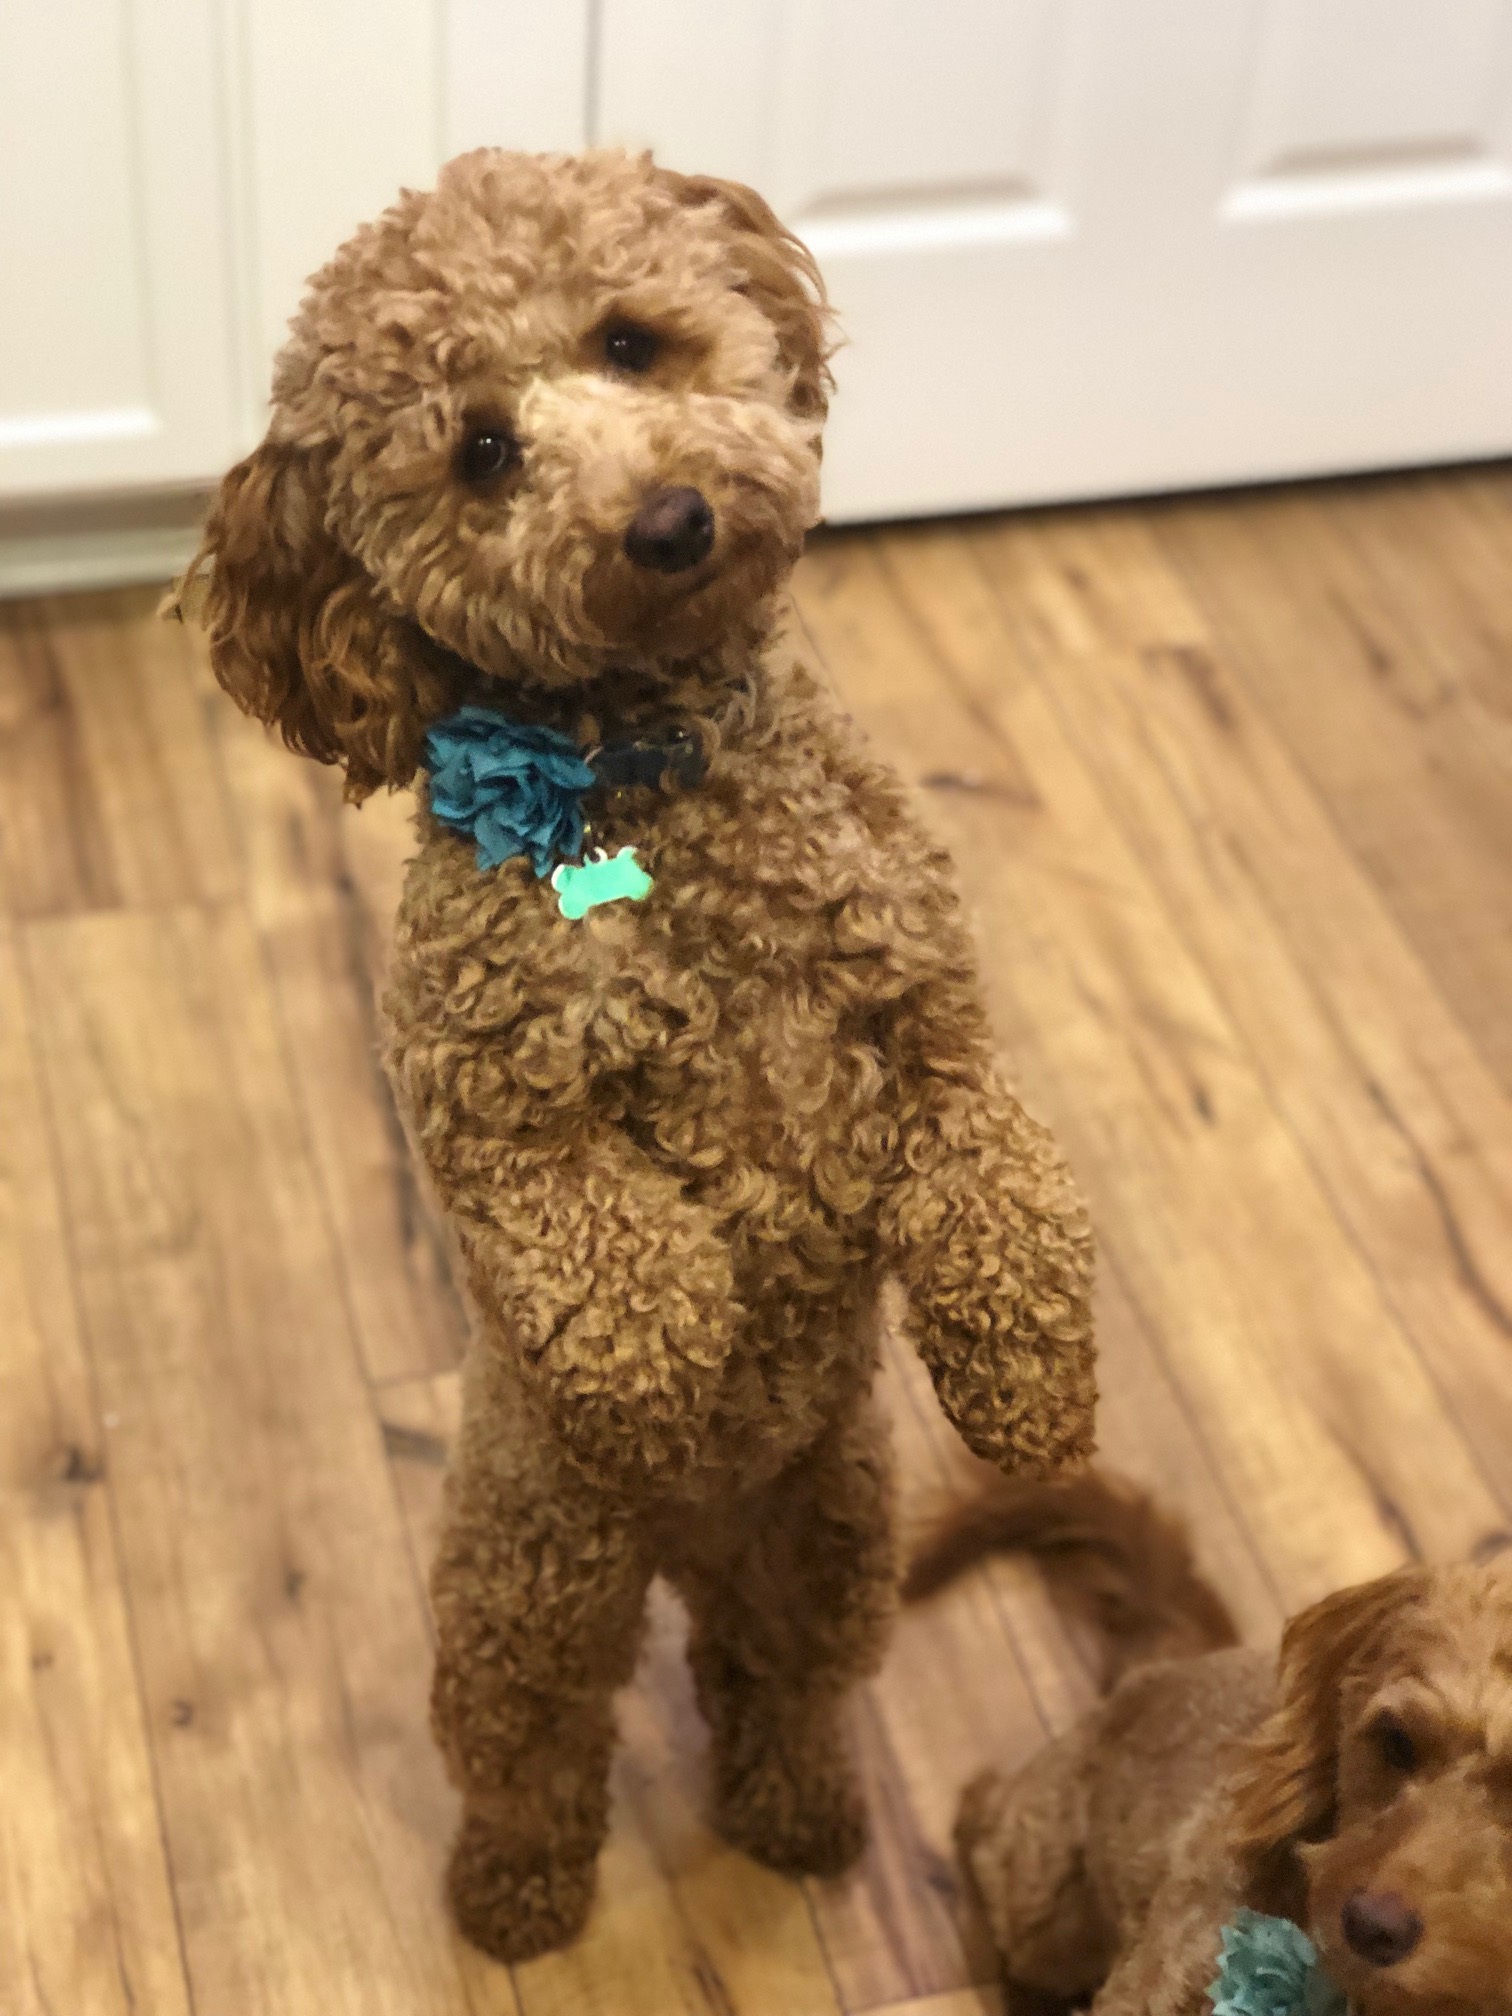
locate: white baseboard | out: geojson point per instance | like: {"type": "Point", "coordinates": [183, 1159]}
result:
{"type": "Point", "coordinates": [99, 543]}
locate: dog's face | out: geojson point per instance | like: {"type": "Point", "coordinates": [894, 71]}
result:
{"type": "Point", "coordinates": [559, 417]}
{"type": "Point", "coordinates": [1385, 1780]}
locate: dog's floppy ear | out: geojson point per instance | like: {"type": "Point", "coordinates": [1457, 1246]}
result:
{"type": "Point", "coordinates": [1286, 1784]}
{"type": "Point", "coordinates": [297, 635]}
{"type": "Point", "coordinates": [782, 278]}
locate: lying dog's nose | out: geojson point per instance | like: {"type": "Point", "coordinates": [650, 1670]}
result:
{"type": "Point", "coordinates": [1381, 1927]}
{"type": "Point", "coordinates": [672, 531]}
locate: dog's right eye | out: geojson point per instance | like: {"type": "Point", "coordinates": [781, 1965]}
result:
{"type": "Point", "coordinates": [1394, 1744]}
{"type": "Point", "coordinates": [487, 451]}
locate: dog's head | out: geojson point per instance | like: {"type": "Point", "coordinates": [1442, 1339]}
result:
{"type": "Point", "coordinates": [1375, 1804]}
{"type": "Point", "coordinates": [553, 422]}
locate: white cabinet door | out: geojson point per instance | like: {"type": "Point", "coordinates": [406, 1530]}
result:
{"type": "Point", "coordinates": [118, 361]}
{"type": "Point", "coordinates": [1090, 246]}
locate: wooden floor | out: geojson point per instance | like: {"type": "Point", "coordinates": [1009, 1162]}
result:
{"type": "Point", "coordinates": [1230, 785]}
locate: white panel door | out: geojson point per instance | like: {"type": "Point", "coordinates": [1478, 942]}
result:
{"type": "Point", "coordinates": [118, 362]}
{"type": "Point", "coordinates": [1090, 246]}
{"type": "Point", "coordinates": [411, 83]}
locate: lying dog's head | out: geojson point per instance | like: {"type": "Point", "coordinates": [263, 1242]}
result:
{"type": "Point", "coordinates": [556, 419]}
{"type": "Point", "coordinates": [1375, 1804]}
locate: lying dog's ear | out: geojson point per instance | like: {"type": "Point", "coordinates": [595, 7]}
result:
{"type": "Point", "coordinates": [297, 635]}
{"type": "Point", "coordinates": [782, 278]}
{"type": "Point", "coordinates": [1286, 1785]}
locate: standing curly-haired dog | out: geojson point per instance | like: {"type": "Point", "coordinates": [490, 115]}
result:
{"type": "Point", "coordinates": [1362, 1791]}
{"type": "Point", "coordinates": [544, 448]}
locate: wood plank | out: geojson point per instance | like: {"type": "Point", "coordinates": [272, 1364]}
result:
{"type": "Point", "coordinates": [281, 1633]}
{"type": "Point", "coordinates": [112, 794]}
{"type": "Point", "coordinates": [963, 2002]}
{"type": "Point", "coordinates": [1441, 547]}
{"type": "Point", "coordinates": [1414, 767]}
{"type": "Point", "coordinates": [419, 1419]}
{"type": "Point", "coordinates": [1316, 1408]}
{"type": "Point", "coordinates": [323, 884]}
{"type": "Point", "coordinates": [54, 854]}
{"type": "Point", "coordinates": [84, 1875]}
{"type": "Point", "coordinates": [682, 1923]}
{"type": "Point", "coordinates": [1406, 1127]}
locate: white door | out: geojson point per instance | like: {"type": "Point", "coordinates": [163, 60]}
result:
{"type": "Point", "coordinates": [1079, 246]}
{"type": "Point", "coordinates": [119, 364]}
{"type": "Point", "coordinates": [1090, 246]}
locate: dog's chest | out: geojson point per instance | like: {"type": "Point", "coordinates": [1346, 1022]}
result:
{"type": "Point", "coordinates": [744, 1010]}
{"type": "Point", "coordinates": [737, 1018]}
{"type": "Point", "coordinates": [762, 941]}
{"type": "Point", "coordinates": [776, 931]}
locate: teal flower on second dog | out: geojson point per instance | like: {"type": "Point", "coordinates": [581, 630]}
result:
{"type": "Point", "coordinates": [1269, 1967]}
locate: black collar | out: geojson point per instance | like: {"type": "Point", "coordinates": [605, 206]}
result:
{"type": "Point", "coordinates": [677, 760]}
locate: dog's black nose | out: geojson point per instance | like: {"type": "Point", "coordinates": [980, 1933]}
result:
{"type": "Point", "coordinates": [1381, 1927]}
{"type": "Point", "coordinates": [672, 531]}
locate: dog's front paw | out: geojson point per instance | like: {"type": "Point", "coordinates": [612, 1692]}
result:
{"type": "Point", "coordinates": [512, 1903]}
{"type": "Point", "coordinates": [635, 1403]}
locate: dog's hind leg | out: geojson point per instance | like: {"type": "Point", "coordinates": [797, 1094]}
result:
{"type": "Point", "coordinates": [539, 1590]}
{"type": "Point", "coordinates": [1022, 1840]}
{"type": "Point", "coordinates": [791, 1596]}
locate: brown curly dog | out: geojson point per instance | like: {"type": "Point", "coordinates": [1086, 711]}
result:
{"type": "Point", "coordinates": [1363, 1790]}
{"type": "Point", "coordinates": [546, 440]}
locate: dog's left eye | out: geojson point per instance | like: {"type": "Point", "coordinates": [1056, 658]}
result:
{"type": "Point", "coordinates": [629, 347]}
{"type": "Point", "coordinates": [1397, 1750]}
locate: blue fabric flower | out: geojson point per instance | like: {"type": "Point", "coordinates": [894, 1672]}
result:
{"type": "Point", "coordinates": [516, 790]}
{"type": "Point", "coordinates": [1269, 1967]}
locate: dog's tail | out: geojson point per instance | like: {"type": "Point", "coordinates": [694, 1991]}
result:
{"type": "Point", "coordinates": [1111, 1557]}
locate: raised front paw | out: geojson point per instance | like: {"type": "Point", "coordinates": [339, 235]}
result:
{"type": "Point", "coordinates": [622, 1321]}
{"type": "Point", "coordinates": [1003, 1315]}
{"type": "Point", "coordinates": [1026, 1408]}
{"type": "Point", "coordinates": [631, 1389]}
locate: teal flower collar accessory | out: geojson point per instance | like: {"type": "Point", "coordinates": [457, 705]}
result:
{"type": "Point", "coordinates": [518, 790]}
{"type": "Point", "coordinates": [1269, 1967]}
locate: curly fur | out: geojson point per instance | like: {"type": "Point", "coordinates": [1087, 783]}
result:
{"type": "Point", "coordinates": [679, 1142]}
{"type": "Point", "coordinates": [1108, 1866]}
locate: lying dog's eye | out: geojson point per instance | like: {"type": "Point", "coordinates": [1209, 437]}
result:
{"type": "Point", "coordinates": [487, 452]}
{"type": "Point", "coordinates": [629, 347]}
{"type": "Point", "coordinates": [1397, 1750]}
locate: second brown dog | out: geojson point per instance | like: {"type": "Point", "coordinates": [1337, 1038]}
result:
{"type": "Point", "coordinates": [1362, 1789]}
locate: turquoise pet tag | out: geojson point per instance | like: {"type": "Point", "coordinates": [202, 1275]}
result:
{"type": "Point", "coordinates": [602, 878]}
